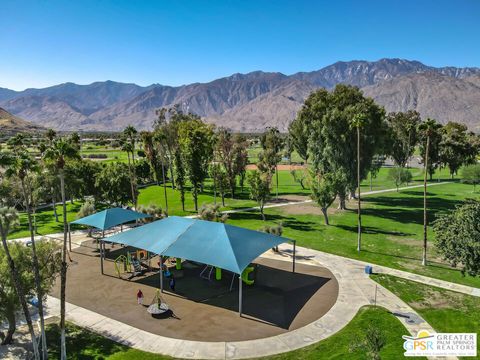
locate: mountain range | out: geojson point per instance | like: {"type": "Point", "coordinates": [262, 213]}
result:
{"type": "Point", "coordinates": [250, 102]}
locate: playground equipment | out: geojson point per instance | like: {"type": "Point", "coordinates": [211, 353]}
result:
{"type": "Point", "coordinates": [122, 265]}
{"type": "Point", "coordinates": [157, 306]}
{"type": "Point", "coordinates": [246, 273]}
{"type": "Point", "coordinates": [126, 263]}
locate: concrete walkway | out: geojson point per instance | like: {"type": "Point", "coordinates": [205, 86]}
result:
{"type": "Point", "coordinates": [355, 290]}
{"type": "Point", "coordinates": [289, 203]}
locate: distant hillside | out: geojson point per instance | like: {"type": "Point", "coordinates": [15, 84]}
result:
{"type": "Point", "coordinates": [434, 95]}
{"type": "Point", "coordinates": [249, 102]}
{"type": "Point", "coordinates": [10, 124]}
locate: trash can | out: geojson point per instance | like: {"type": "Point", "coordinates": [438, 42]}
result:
{"type": "Point", "coordinates": [368, 270]}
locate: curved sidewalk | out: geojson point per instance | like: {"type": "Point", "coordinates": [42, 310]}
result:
{"type": "Point", "coordinates": [355, 290]}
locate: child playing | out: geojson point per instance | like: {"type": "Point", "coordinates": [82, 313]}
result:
{"type": "Point", "coordinates": [140, 297]}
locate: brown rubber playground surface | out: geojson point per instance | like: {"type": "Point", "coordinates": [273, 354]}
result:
{"type": "Point", "coordinates": [203, 310]}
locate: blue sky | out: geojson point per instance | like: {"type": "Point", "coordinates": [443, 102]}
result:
{"type": "Point", "coordinates": [46, 42]}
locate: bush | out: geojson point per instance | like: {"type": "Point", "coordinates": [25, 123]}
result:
{"type": "Point", "coordinates": [211, 212]}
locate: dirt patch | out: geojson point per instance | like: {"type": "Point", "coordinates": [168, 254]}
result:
{"type": "Point", "coordinates": [439, 300]}
{"type": "Point", "coordinates": [313, 209]}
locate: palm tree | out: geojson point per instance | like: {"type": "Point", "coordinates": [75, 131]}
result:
{"type": "Point", "coordinates": [151, 153]}
{"type": "Point", "coordinates": [50, 134]}
{"type": "Point", "coordinates": [21, 165]}
{"type": "Point", "coordinates": [427, 129]}
{"type": "Point", "coordinates": [357, 122]}
{"type": "Point", "coordinates": [57, 154]}
{"type": "Point", "coordinates": [127, 147]}
{"type": "Point", "coordinates": [130, 134]}
{"type": "Point", "coordinates": [8, 219]}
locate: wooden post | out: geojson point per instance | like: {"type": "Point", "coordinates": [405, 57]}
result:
{"type": "Point", "coordinates": [240, 294]}
{"type": "Point", "coordinates": [294, 252]}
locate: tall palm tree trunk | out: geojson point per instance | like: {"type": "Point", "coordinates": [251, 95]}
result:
{"type": "Point", "coordinates": [63, 271]}
{"type": "Point", "coordinates": [54, 201]}
{"type": "Point", "coordinates": [21, 296]}
{"type": "Point", "coordinates": [134, 200]}
{"type": "Point", "coordinates": [36, 270]}
{"type": "Point", "coordinates": [424, 257]}
{"type": "Point", "coordinates": [165, 189]}
{"type": "Point", "coordinates": [134, 173]}
{"type": "Point", "coordinates": [170, 165]}
{"type": "Point", "coordinates": [276, 178]}
{"type": "Point", "coordinates": [359, 238]}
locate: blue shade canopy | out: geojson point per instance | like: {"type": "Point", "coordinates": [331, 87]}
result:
{"type": "Point", "coordinates": [225, 246]}
{"type": "Point", "coordinates": [109, 218]}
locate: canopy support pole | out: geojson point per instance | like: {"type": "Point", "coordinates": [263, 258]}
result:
{"type": "Point", "coordinates": [69, 239]}
{"type": "Point", "coordinates": [294, 254]}
{"type": "Point", "coordinates": [161, 273]}
{"type": "Point", "coordinates": [240, 295]}
{"type": "Point", "coordinates": [102, 253]}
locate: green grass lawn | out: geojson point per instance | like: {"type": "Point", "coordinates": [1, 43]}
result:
{"type": "Point", "coordinates": [392, 222]}
{"type": "Point", "coordinates": [45, 221]}
{"type": "Point", "coordinates": [392, 229]}
{"type": "Point", "coordinates": [444, 310]}
{"type": "Point", "coordinates": [83, 344]}
{"type": "Point", "coordinates": [112, 153]}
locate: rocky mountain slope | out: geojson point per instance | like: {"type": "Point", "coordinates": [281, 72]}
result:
{"type": "Point", "coordinates": [249, 102]}
{"type": "Point", "coordinates": [11, 124]}
{"type": "Point", "coordinates": [434, 95]}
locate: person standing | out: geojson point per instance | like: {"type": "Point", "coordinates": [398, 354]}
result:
{"type": "Point", "coordinates": [172, 283]}
{"type": "Point", "coordinates": [140, 297]}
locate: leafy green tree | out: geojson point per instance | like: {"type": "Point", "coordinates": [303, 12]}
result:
{"type": "Point", "coordinates": [151, 153]}
{"type": "Point", "coordinates": [471, 175]}
{"type": "Point", "coordinates": [221, 182]}
{"type": "Point", "coordinates": [431, 136]}
{"type": "Point", "coordinates": [403, 135]}
{"type": "Point", "coordinates": [50, 134]}
{"type": "Point", "coordinates": [299, 176]}
{"type": "Point", "coordinates": [332, 137]}
{"type": "Point", "coordinates": [377, 163]}
{"type": "Point", "coordinates": [129, 149]}
{"type": "Point", "coordinates": [211, 212]}
{"type": "Point", "coordinates": [196, 142]}
{"type": "Point", "coordinates": [324, 189]}
{"type": "Point", "coordinates": [113, 183]}
{"type": "Point", "coordinates": [8, 219]}
{"type": "Point", "coordinates": [272, 144]}
{"type": "Point", "coordinates": [399, 176]}
{"type": "Point", "coordinates": [58, 154]}
{"type": "Point", "coordinates": [75, 140]}
{"type": "Point", "coordinates": [457, 237]}
{"type": "Point", "coordinates": [143, 171]}
{"type": "Point", "coordinates": [87, 209]}
{"type": "Point", "coordinates": [166, 132]}
{"type": "Point", "coordinates": [241, 157]}
{"type": "Point", "coordinates": [456, 148]}
{"type": "Point", "coordinates": [226, 150]}
{"type": "Point", "coordinates": [83, 173]}
{"type": "Point", "coordinates": [180, 175]}
{"type": "Point", "coordinates": [299, 134]}
{"type": "Point", "coordinates": [259, 188]}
